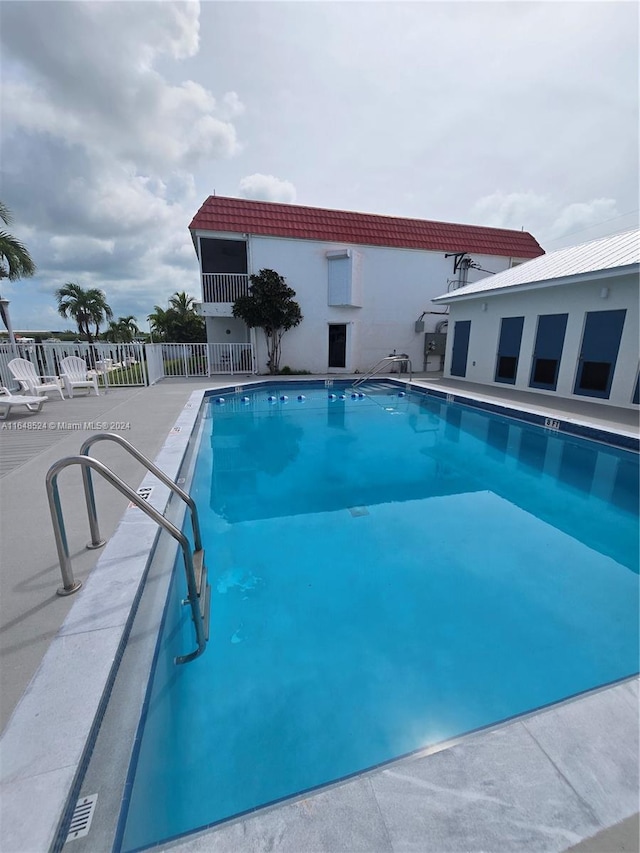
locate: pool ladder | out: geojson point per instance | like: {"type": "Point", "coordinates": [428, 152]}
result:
{"type": "Point", "coordinates": [198, 589]}
{"type": "Point", "coordinates": [379, 365]}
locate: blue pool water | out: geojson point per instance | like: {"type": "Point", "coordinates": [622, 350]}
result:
{"type": "Point", "coordinates": [387, 573]}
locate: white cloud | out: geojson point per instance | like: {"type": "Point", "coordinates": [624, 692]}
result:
{"type": "Point", "coordinates": [543, 215]}
{"type": "Point", "coordinates": [100, 146]}
{"type": "Point", "coordinates": [582, 215]}
{"type": "Point", "coordinates": [233, 104]}
{"type": "Point", "coordinates": [119, 119]}
{"type": "Point", "coordinates": [267, 188]}
{"type": "Point", "coordinates": [66, 249]}
{"type": "Point", "coordinates": [512, 210]}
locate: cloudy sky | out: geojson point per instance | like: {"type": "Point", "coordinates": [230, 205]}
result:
{"type": "Point", "coordinates": [120, 118]}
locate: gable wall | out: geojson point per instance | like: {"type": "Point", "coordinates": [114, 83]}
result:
{"type": "Point", "coordinates": [396, 287]}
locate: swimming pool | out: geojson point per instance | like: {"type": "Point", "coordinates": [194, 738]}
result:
{"type": "Point", "coordinates": [398, 572]}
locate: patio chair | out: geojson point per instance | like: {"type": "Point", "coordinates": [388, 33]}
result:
{"type": "Point", "coordinates": [9, 400]}
{"type": "Point", "coordinates": [74, 374]}
{"type": "Point", "coordinates": [24, 372]}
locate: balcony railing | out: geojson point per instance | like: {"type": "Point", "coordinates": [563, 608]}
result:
{"type": "Point", "coordinates": [224, 286]}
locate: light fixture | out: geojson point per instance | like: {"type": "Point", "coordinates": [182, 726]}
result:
{"type": "Point", "coordinates": [484, 306]}
{"type": "Point", "coordinates": [604, 293]}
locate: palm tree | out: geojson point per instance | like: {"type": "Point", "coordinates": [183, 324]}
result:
{"type": "Point", "coordinates": [179, 323]}
{"type": "Point", "coordinates": [182, 304]}
{"type": "Point", "coordinates": [15, 261]}
{"type": "Point", "coordinates": [129, 327]}
{"type": "Point", "coordinates": [122, 330]}
{"type": "Point", "coordinates": [159, 322]}
{"type": "Point", "coordinates": [86, 307]}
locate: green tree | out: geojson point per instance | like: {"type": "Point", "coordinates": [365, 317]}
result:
{"type": "Point", "coordinates": [15, 260]}
{"type": "Point", "coordinates": [269, 306]}
{"type": "Point", "coordinates": [179, 323]}
{"type": "Point", "coordinates": [87, 307]}
{"type": "Point", "coordinates": [123, 330]}
{"type": "Point", "coordinates": [182, 304]}
{"type": "Point", "coordinates": [158, 322]}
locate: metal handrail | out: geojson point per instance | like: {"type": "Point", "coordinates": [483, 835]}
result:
{"type": "Point", "coordinates": [377, 367]}
{"type": "Point", "coordinates": [70, 585]}
{"type": "Point", "coordinates": [96, 542]}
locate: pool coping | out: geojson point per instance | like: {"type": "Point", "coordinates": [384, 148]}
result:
{"type": "Point", "coordinates": [42, 755]}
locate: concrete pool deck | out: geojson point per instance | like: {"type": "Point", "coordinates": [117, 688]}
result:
{"type": "Point", "coordinates": [560, 747]}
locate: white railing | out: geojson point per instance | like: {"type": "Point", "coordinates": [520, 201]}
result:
{"type": "Point", "coordinates": [133, 364]}
{"type": "Point", "coordinates": [224, 286]}
{"type": "Point", "coordinates": [184, 359]}
{"type": "Point", "coordinates": [116, 364]}
{"type": "Point", "coordinates": [175, 360]}
{"type": "Point", "coordinates": [231, 358]}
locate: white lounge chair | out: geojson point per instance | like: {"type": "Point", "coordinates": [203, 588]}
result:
{"type": "Point", "coordinates": [74, 374]}
{"type": "Point", "coordinates": [8, 400]}
{"type": "Point", "coordinates": [25, 373]}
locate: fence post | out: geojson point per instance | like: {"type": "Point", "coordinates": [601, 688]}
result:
{"type": "Point", "coordinates": [142, 356]}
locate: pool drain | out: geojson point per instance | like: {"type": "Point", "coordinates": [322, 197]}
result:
{"type": "Point", "coordinates": [143, 492]}
{"type": "Point", "coordinates": [82, 817]}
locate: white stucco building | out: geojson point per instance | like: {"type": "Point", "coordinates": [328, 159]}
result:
{"type": "Point", "coordinates": [364, 282]}
{"type": "Point", "coordinates": [565, 323]}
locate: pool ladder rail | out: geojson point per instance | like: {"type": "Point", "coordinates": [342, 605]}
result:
{"type": "Point", "coordinates": [198, 589]}
{"type": "Point", "coordinates": [379, 365]}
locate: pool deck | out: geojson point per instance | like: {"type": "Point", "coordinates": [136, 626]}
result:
{"type": "Point", "coordinates": [543, 782]}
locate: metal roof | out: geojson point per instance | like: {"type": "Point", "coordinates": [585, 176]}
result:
{"type": "Point", "coordinates": [606, 253]}
{"type": "Point", "coordinates": [236, 215]}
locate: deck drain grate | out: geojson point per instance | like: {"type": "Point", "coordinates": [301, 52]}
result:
{"type": "Point", "coordinates": [357, 511]}
{"type": "Point", "coordinates": [143, 492]}
{"type": "Point", "coordinates": [82, 817]}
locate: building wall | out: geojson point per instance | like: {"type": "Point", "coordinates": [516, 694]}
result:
{"type": "Point", "coordinates": [576, 300]}
{"type": "Point", "coordinates": [395, 286]}
{"type": "Point", "coordinates": [226, 330]}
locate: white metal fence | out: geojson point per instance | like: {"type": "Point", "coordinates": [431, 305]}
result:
{"type": "Point", "coordinates": [132, 364]}
{"type": "Point", "coordinates": [203, 359]}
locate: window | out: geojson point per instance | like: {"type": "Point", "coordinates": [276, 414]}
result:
{"type": "Point", "coordinates": [223, 256]}
{"type": "Point", "coordinates": [595, 375]}
{"type": "Point", "coordinates": [344, 278]}
{"type": "Point", "coordinates": [509, 349]}
{"type": "Point", "coordinates": [547, 351]}
{"type": "Point", "coordinates": [599, 353]}
{"type": "Point", "coordinates": [507, 366]}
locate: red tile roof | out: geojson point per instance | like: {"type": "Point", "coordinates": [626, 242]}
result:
{"type": "Point", "coordinates": [239, 215]}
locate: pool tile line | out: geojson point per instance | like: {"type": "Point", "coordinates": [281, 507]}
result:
{"type": "Point", "coordinates": [611, 437]}
{"type": "Point", "coordinates": [615, 438]}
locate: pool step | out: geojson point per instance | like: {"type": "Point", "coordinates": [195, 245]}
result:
{"type": "Point", "coordinates": [205, 604]}
{"type": "Point", "coordinates": [202, 588]}
{"type": "Point", "coordinates": [199, 568]}
{"type": "Point", "coordinates": [372, 387]}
